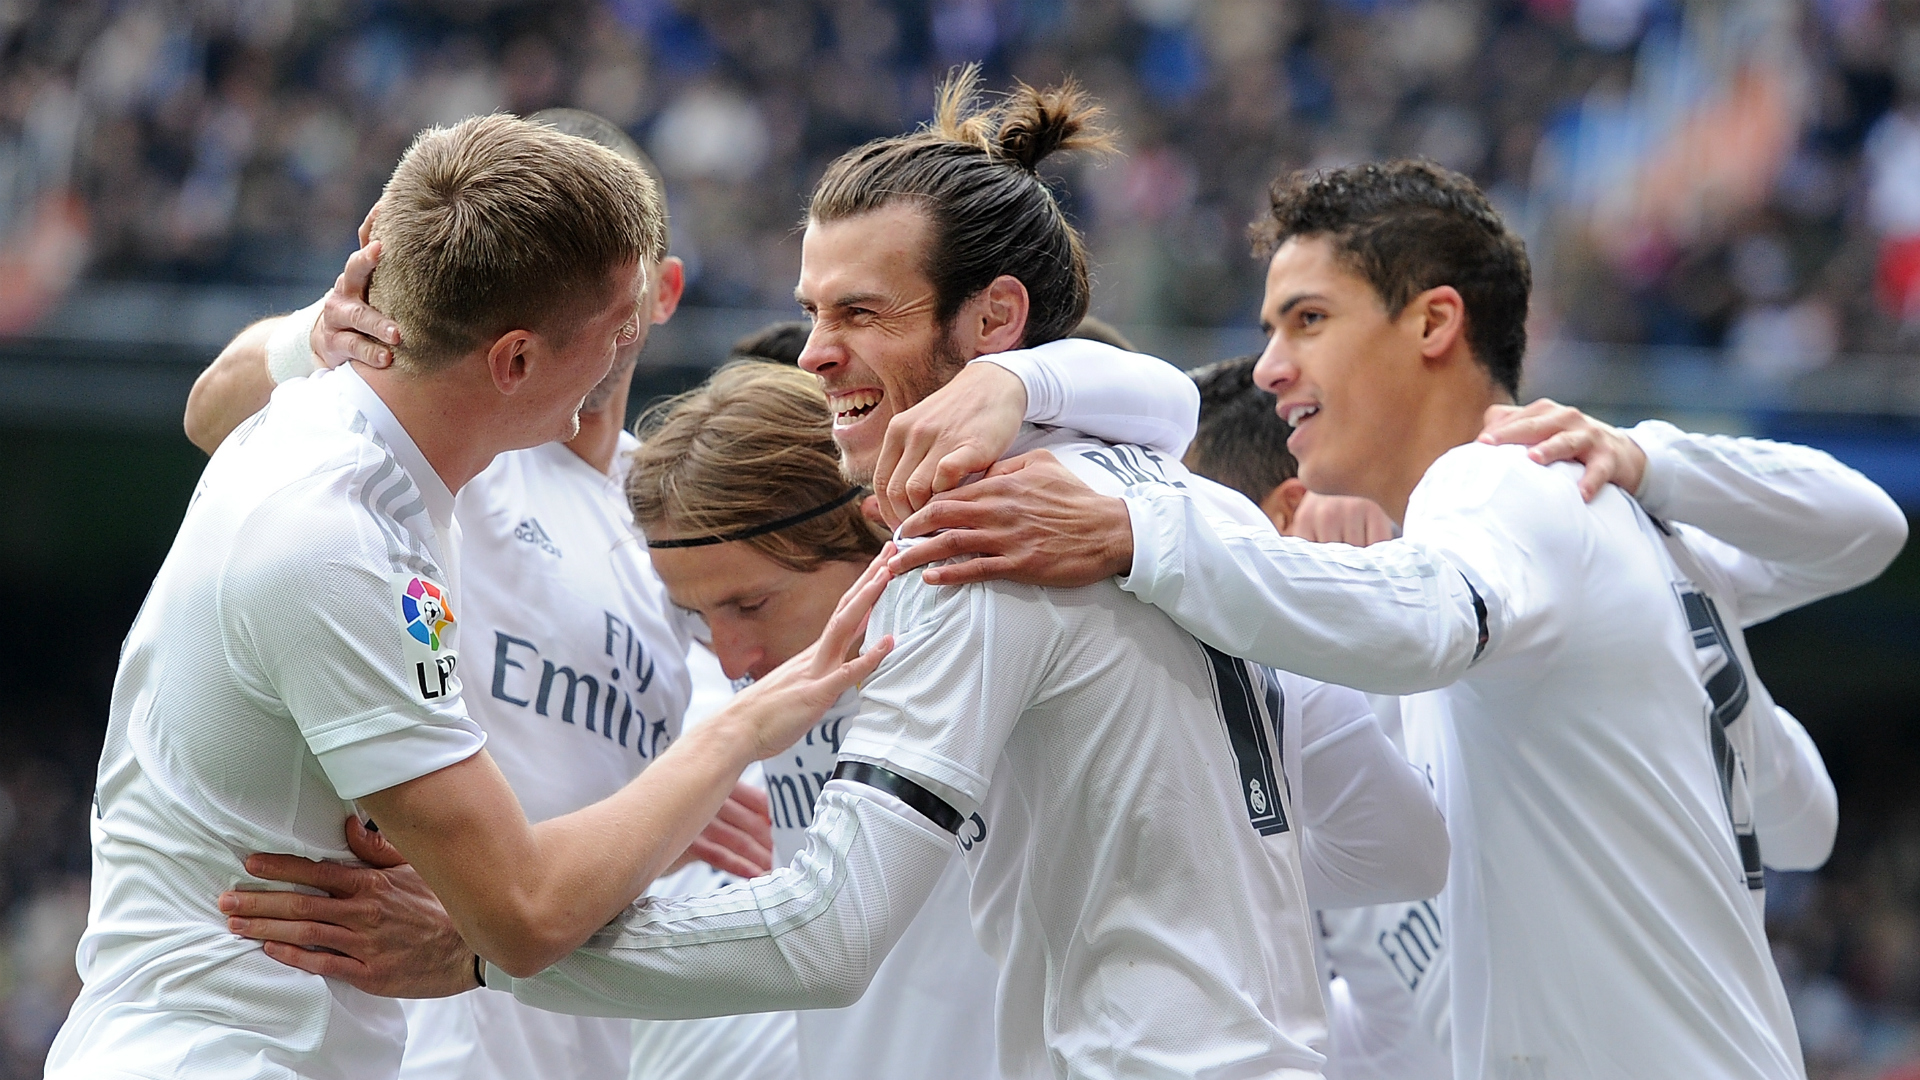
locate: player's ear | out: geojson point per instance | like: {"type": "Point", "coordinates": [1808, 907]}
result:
{"type": "Point", "coordinates": [995, 319]}
{"type": "Point", "coordinates": [668, 285]}
{"type": "Point", "coordinates": [1442, 315]}
{"type": "Point", "coordinates": [1283, 502]}
{"type": "Point", "coordinates": [507, 360]}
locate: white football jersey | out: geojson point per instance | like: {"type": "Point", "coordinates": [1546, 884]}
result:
{"type": "Point", "coordinates": [1600, 919]}
{"type": "Point", "coordinates": [576, 669]}
{"type": "Point", "coordinates": [299, 649]}
{"type": "Point", "coordinates": [1131, 841]}
{"type": "Point", "coordinates": [1133, 849]}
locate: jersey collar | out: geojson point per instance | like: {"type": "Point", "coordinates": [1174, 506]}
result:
{"type": "Point", "coordinates": [362, 398]}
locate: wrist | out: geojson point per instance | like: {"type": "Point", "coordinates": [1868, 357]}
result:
{"type": "Point", "coordinates": [1116, 534]}
{"type": "Point", "coordinates": [290, 345]}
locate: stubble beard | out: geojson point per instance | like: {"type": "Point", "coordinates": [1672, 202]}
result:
{"type": "Point", "coordinates": [943, 363]}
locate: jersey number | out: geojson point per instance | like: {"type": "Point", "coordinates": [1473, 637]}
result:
{"type": "Point", "coordinates": [1727, 693]}
{"type": "Point", "coordinates": [1250, 740]}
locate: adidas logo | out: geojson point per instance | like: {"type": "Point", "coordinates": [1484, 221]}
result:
{"type": "Point", "coordinates": [530, 531]}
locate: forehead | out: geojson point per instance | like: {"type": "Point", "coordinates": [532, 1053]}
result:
{"type": "Point", "coordinates": [881, 252]}
{"type": "Point", "coordinates": [702, 578]}
{"type": "Point", "coordinates": [1307, 265]}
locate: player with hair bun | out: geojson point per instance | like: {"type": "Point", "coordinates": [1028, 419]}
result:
{"type": "Point", "coordinates": [1140, 846]}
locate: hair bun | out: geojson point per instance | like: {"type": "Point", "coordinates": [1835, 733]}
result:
{"type": "Point", "coordinates": [1027, 125]}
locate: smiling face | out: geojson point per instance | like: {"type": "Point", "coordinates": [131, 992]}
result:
{"type": "Point", "coordinates": [875, 345]}
{"type": "Point", "coordinates": [1346, 373]}
{"type": "Point", "coordinates": [760, 613]}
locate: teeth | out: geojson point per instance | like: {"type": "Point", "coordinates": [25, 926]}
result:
{"type": "Point", "coordinates": [854, 401]}
{"type": "Point", "coordinates": [1300, 412]}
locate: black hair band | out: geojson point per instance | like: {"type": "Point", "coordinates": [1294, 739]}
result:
{"type": "Point", "coordinates": [752, 531]}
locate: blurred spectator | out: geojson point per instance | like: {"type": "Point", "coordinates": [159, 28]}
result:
{"type": "Point", "coordinates": [1688, 173]}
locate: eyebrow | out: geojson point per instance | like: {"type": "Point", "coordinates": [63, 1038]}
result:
{"type": "Point", "coordinates": [1297, 299]}
{"type": "Point", "coordinates": [849, 300]}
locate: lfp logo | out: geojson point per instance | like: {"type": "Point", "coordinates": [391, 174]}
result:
{"type": "Point", "coordinates": [424, 606]}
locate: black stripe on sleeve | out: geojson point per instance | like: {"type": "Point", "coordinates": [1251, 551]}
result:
{"type": "Point", "coordinates": [932, 806]}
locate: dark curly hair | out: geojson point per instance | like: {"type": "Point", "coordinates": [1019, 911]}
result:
{"type": "Point", "coordinates": [1410, 226]}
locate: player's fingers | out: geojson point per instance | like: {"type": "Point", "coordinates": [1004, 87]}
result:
{"type": "Point", "coordinates": [893, 446]}
{"type": "Point", "coordinates": [855, 671]}
{"type": "Point", "coordinates": [947, 545]}
{"type": "Point", "coordinates": [359, 272]}
{"type": "Point", "coordinates": [370, 847]}
{"type": "Point", "coordinates": [956, 466]}
{"type": "Point", "coordinates": [366, 224]}
{"type": "Point", "coordinates": [750, 822]}
{"type": "Point", "coordinates": [752, 798]}
{"type": "Point", "coordinates": [331, 877]}
{"type": "Point", "coordinates": [753, 855]}
{"type": "Point", "coordinates": [725, 861]}
{"type": "Point", "coordinates": [1007, 466]}
{"type": "Point", "coordinates": [920, 483]}
{"type": "Point", "coordinates": [345, 968]}
{"type": "Point", "coordinates": [916, 444]}
{"type": "Point", "coordinates": [1564, 446]}
{"type": "Point", "coordinates": [848, 624]}
{"type": "Point", "coordinates": [989, 568]}
{"type": "Point", "coordinates": [307, 935]}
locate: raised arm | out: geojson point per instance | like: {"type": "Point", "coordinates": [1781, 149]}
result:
{"type": "Point", "coordinates": [1371, 832]}
{"type": "Point", "coordinates": [1793, 524]}
{"type": "Point", "coordinates": [1806, 526]}
{"type": "Point", "coordinates": [1393, 618]}
{"type": "Point", "coordinates": [1086, 386]}
{"type": "Point", "coordinates": [338, 327]}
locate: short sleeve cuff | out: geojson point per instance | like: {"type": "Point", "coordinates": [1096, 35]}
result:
{"type": "Point", "coordinates": [290, 345]}
{"type": "Point", "coordinates": [1655, 438]}
{"type": "Point", "coordinates": [381, 761]}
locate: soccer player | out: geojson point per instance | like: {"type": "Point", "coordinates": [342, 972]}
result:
{"type": "Point", "coordinates": [298, 653]}
{"type": "Point", "coordinates": [1114, 787]}
{"type": "Point", "coordinates": [1599, 760]}
{"type": "Point", "coordinates": [755, 442]}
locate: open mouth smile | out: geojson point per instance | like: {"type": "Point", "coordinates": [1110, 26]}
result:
{"type": "Point", "coordinates": [852, 406]}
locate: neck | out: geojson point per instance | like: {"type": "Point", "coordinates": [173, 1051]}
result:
{"type": "Point", "coordinates": [444, 419]}
{"type": "Point", "coordinates": [599, 438]}
{"type": "Point", "coordinates": [1452, 414]}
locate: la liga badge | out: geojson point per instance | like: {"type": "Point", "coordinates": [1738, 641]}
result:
{"type": "Point", "coordinates": [426, 619]}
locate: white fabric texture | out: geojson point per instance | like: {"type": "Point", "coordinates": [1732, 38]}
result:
{"type": "Point", "coordinates": [808, 935]}
{"type": "Point", "coordinates": [290, 344]}
{"type": "Point", "coordinates": [1590, 833]}
{"type": "Point", "coordinates": [1393, 618]}
{"type": "Point", "coordinates": [1110, 394]}
{"type": "Point", "coordinates": [1169, 934]}
{"type": "Point", "coordinates": [578, 674]}
{"type": "Point", "coordinates": [270, 677]}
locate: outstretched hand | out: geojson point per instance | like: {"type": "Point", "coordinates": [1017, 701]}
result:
{"type": "Point", "coordinates": [1028, 520]}
{"type": "Point", "coordinates": [791, 698]}
{"type": "Point", "coordinates": [960, 429]}
{"type": "Point", "coordinates": [350, 327]}
{"type": "Point", "coordinates": [378, 928]}
{"type": "Point", "coordinates": [1557, 432]}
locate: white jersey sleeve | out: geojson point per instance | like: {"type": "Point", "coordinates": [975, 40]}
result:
{"type": "Point", "coordinates": [1393, 618]}
{"type": "Point", "coordinates": [807, 936]}
{"type": "Point", "coordinates": [1111, 394]}
{"type": "Point", "coordinates": [1371, 832]}
{"type": "Point", "coordinates": [1794, 525]}
{"type": "Point", "coordinates": [1795, 809]}
{"type": "Point", "coordinates": [381, 708]}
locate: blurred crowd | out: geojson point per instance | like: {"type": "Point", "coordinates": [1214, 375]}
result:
{"type": "Point", "coordinates": [1742, 176]}
{"type": "Point", "coordinates": [43, 897]}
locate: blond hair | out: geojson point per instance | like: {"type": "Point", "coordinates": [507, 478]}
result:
{"type": "Point", "coordinates": [751, 446]}
{"type": "Point", "coordinates": [497, 224]}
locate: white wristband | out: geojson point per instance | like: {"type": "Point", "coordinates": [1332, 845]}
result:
{"type": "Point", "coordinates": [290, 345]}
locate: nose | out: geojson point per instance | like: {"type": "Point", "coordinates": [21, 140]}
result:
{"type": "Point", "coordinates": [821, 354]}
{"type": "Point", "coordinates": [739, 654]}
{"type": "Point", "coordinates": [1275, 372]}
